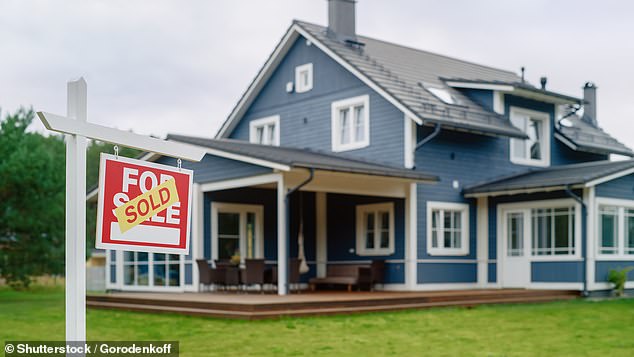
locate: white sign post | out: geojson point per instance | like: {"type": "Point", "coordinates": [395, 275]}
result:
{"type": "Point", "coordinates": [77, 129]}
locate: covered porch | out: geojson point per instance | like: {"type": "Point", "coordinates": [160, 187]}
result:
{"type": "Point", "coordinates": [252, 201]}
{"type": "Point", "coordinates": [343, 219]}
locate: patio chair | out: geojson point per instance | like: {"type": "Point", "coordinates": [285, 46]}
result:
{"type": "Point", "coordinates": [270, 276]}
{"type": "Point", "coordinates": [253, 272]}
{"type": "Point", "coordinates": [229, 272]}
{"type": "Point", "coordinates": [204, 273]}
{"type": "Point", "coordinates": [377, 268]}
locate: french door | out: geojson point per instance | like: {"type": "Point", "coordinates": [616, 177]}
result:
{"type": "Point", "coordinates": [516, 268]}
{"type": "Point", "coordinates": [237, 231]}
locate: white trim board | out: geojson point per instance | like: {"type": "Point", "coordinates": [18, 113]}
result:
{"type": "Point", "coordinates": [274, 60]}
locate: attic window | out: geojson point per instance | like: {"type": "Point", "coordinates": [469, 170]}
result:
{"type": "Point", "coordinates": [304, 78]}
{"type": "Point", "coordinates": [444, 95]}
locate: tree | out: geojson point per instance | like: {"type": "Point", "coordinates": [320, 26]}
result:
{"type": "Point", "coordinates": [31, 201]}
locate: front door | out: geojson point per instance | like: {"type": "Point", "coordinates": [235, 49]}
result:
{"type": "Point", "coordinates": [516, 272]}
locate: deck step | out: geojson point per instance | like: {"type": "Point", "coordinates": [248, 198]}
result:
{"type": "Point", "coordinates": [323, 309]}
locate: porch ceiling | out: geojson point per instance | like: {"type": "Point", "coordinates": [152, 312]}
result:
{"type": "Point", "coordinates": [286, 159]}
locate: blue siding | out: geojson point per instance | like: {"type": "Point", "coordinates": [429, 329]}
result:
{"type": "Point", "coordinates": [603, 269]}
{"type": "Point", "coordinates": [622, 188]}
{"type": "Point", "coordinates": [305, 118]}
{"type": "Point", "coordinates": [559, 272]}
{"type": "Point", "coordinates": [213, 168]}
{"type": "Point", "coordinates": [447, 273]}
{"type": "Point", "coordinates": [482, 97]}
{"type": "Point", "coordinates": [493, 273]}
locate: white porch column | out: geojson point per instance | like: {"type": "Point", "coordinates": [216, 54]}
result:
{"type": "Point", "coordinates": [321, 234]}
{"type": "Point", "coordinates": [76, 216]}
{"type": "Point", "coordinates": [197, 239]}
{"type": "Point", "coordinates": [482, 240]}
{"type": "Point", "coordinates": [589, 197]}
{"type": "Point", "coordinates": [411, 237]}
{"type": "Point", "coordinates": [282, 258]}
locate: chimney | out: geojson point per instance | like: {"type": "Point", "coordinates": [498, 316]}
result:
{"type": "Point", "coordinates": [341, 19]}
{"type": "Point", "coordinates": [590, 103]}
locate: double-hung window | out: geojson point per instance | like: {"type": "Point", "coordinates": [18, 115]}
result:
{"type": "Point", "coordinates": [265, 131]}
{"type": "Point", "coordinates": [304, 78]}
{"type": "Point", "coordinates": [535, 150]}
{"type": "Point", "coordinates": [375, 229]}
{"type": "Point", "coordinates": [615, 227]}
{"type": "Point", "coordinates": [447, 228]}
{"type": "Point", "coordinates": [351, 123]}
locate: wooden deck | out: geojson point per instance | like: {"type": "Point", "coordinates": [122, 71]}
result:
{"type": "Point", "coordinates": [254, 306]}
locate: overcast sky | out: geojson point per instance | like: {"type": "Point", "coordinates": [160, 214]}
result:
{"type": "Point", "coordinates": [161, 66]}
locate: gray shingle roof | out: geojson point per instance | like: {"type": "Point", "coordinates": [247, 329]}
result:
{"type": "Point", "coordinates": [305, 158]}
{"type": "Point", "coordinates": [588, 137]}
{"type": "Point", "coordinates": [556, 176]}
{"type": "Point", "coordinates": [402, 71]}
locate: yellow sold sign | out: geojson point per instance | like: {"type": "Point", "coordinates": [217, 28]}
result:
{"type": "Point", "coordinates": [146, 205]}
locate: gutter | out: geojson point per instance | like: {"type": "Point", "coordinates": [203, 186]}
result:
{"type": "Point", "coordinates": [287, 201]}
{"type": "Point", "coordinates": [429, 137]}
{"type": "Point", "coordinates": [584, 241]}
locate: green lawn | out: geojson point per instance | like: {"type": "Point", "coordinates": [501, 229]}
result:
{"type": "Point", "coordinates": [574, 328]}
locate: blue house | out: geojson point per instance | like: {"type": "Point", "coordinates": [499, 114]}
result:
{"type": "Point", "coordinates": [458, 175]}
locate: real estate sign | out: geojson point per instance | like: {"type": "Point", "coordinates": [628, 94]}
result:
{"type": "Point", "coordinates": [143, 206]}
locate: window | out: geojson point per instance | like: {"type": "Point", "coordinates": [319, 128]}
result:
{"type": "Point", "coordinates": [265, 131]}
{"type": "Point", "coordinates": [447, 228]}
{"type": "Point", "coordinates": [608, 229]}
{"type": "Point", "coordinates": [553, 231]}
{"type": "Point", "coordinates": [536, 149]}
{"type": "Point", "coordinates": [136, 268]}
{"type": "Point", "coordinates": [166, 269]}
{"type": "Point", "coordinates": [615, 227]}
{"type": "Point", "coordinates": [304, 78]}
{"type": "Point", "coordinates": [351, 123]}
{"type": "Point", "coordinates": [375, 229]}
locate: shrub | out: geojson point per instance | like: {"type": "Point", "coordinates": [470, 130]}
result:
{"type": "Point", "coordinates": [618, 278]}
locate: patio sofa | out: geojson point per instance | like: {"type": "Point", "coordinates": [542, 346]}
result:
{"type": "Point", "coordinates": [344, 274]}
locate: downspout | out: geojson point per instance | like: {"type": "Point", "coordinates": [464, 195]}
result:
{"type": "Point", "coordinates": [287, 201]}
{"type": "Point", "coordinates": [429, 137]}
{"type": "Point", "coordinates": [584, 241]}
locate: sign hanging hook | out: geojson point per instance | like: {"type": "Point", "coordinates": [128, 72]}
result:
{"type": "Point", "coordinates": [116, 152]}
{"type": "Point", "coordinates": [179, 162]}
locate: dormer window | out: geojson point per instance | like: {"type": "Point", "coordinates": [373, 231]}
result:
{"type": "Point", "coordinates": [304, 78]}
{"type": "Point", "coordinates": [351, 123]}
{"type": "Point", "coordinates": [535, 150]}
{"type": "Point", "coordinates": [265, 131]}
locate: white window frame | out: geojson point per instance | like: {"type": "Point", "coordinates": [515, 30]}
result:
{"type": "Point", "coordinates": [527, 207]}
{"type": "Point", "coordinates": [242, 210]}
{"type": "Point", "coordinates": [465, 233]}
{"type": "Point", "coordinates": [350, 103]}
{"type": "Point", "coordinates": [545, 119]}
{"type": "Point", "coordinates": [300, 86]}
{"type": "Point", "coordinates": [621, 205]}
{"type": "Point", "coordinates": [264, 123]}
{"type": "Point", "coordinates": [119, 273]}
{"type": "Point", "coordinates": [361, 210]}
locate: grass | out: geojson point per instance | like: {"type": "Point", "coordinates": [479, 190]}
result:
{"type": "Point", "coordinates": [572, 328]}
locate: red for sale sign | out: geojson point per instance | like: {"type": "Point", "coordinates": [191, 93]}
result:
{"type": "Point", "coordinates": [143, 206]}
